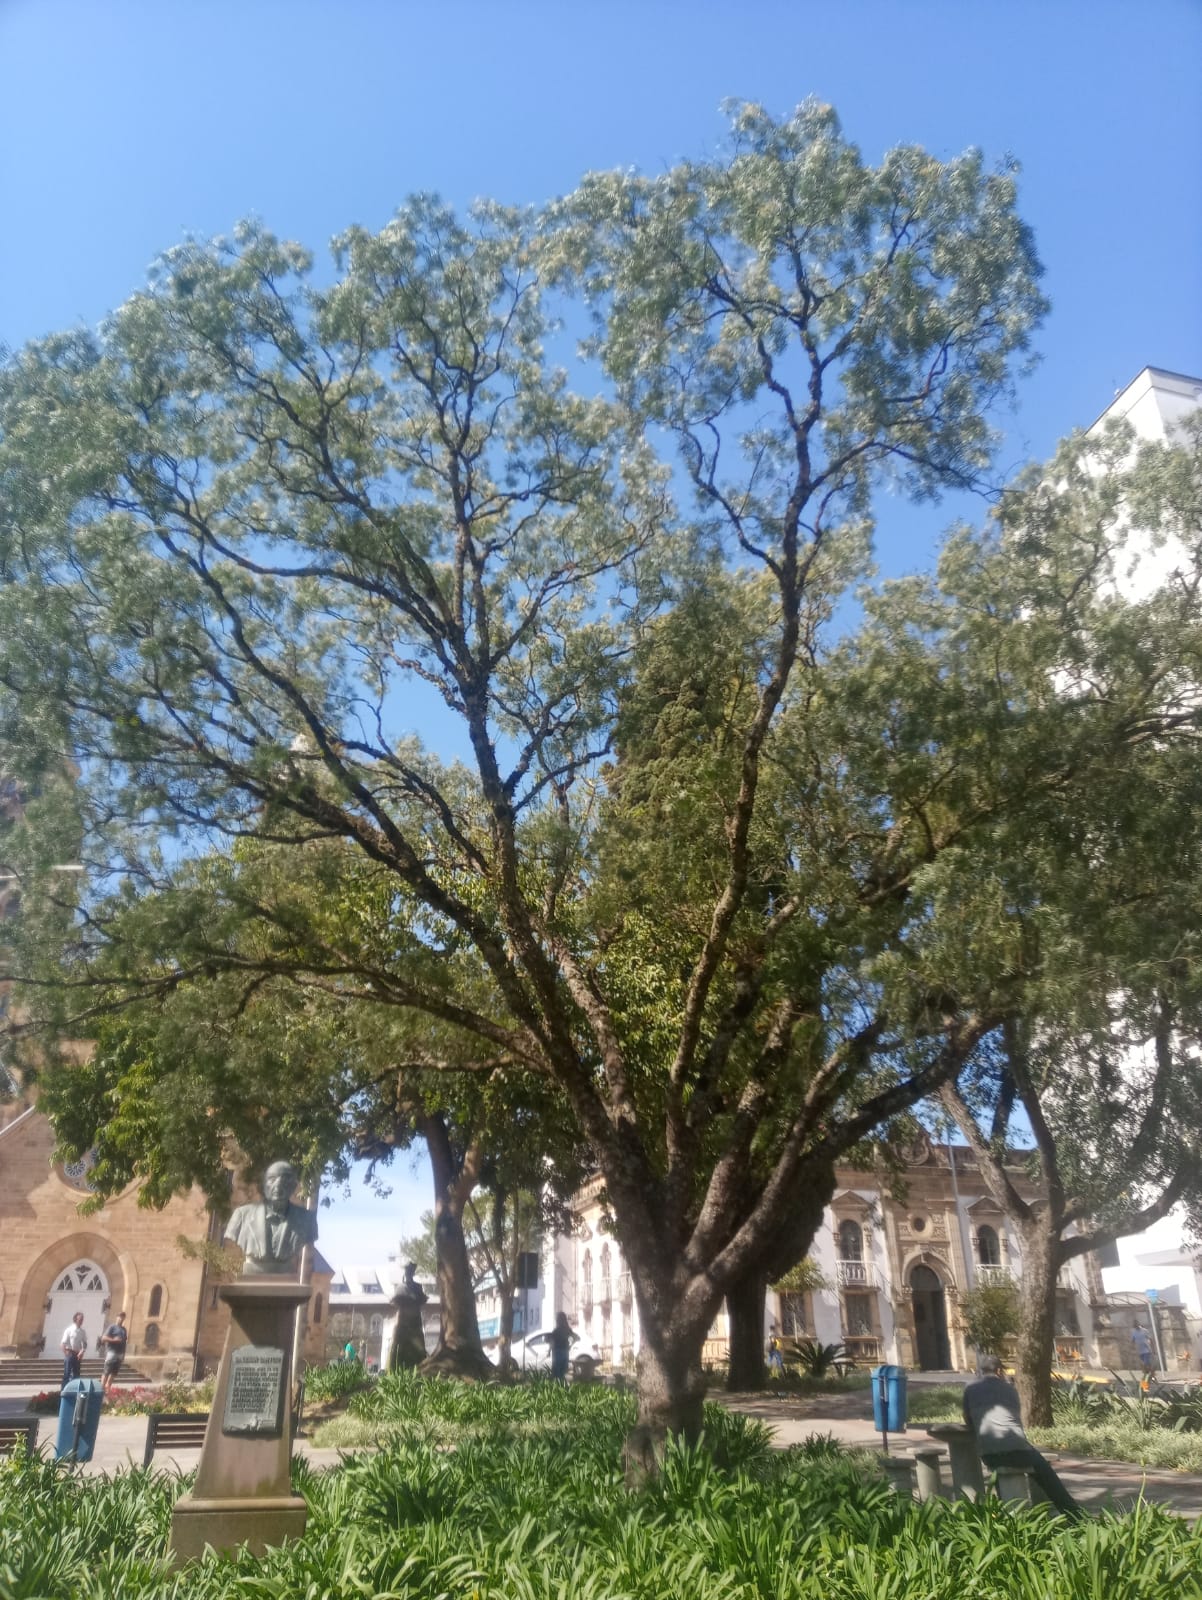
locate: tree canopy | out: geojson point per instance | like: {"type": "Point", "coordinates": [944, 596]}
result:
{"type": "Point", "coordinates": [739, 894]}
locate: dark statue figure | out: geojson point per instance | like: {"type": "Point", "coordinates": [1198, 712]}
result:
{"type": "Point", "coordinates": [408, 1339]}
{"type": "Point", "coordinates": [272, 1234]}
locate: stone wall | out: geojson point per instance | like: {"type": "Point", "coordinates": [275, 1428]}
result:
{"type": "Point", "coordinates": [42, 1234]}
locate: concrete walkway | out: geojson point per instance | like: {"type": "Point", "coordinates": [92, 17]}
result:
{"type": "Point", "coordinates": [1098, 1485]}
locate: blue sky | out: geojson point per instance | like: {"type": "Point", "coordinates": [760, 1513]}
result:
{"type": "Point", "coordinates": [124, 125]}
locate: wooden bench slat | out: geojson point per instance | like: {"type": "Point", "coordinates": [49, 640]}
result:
{"type": "Point", "coordinates": [14, 1431]}
{"type": "Point", "coordinates": [179, 1430]}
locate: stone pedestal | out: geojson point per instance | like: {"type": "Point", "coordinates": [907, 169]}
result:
{"type": "Point", "coordinates": [967, 1478]}
{"type": "Point", "coordinates": [926, 1474]}
{"type": "Point", "coordinates": [243, 1490]}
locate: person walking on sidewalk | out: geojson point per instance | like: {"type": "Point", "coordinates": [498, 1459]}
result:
{"type": "Point", "coordinates": [74, 1343]}
{"type": "Point", "coordinates": [114, 1339]}
{"type": "Point", "coordinates": [991, 1410]}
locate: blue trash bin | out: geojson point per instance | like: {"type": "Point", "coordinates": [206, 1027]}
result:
{"type": "Point", "coordinates": [78, 1419]}
{"type": "Point", "coordinates": [889, 1399]}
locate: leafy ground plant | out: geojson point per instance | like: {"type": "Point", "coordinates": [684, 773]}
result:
{"type": "Point", "coordinates": [511, 1516]}
{"type": "Point", "coordinates": [335, 1381]}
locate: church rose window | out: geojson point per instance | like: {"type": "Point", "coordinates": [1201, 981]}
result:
{"type": "Point", "coordinates": [75, 1173]}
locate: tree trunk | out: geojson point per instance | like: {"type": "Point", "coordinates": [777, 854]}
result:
{"type": "Point", "coordinates": [459, 1352]}
{"type": "Point", "coordinates": [1037, 1332]}
{"type": "Point", "coordinates": [505, 1338]}
{"type": "Point", "coordinates": [790, 1242]}
{"type": "Point", "coordinates": [671, 1394]}
{"type": "Point", "coordinates": [745, 1310]}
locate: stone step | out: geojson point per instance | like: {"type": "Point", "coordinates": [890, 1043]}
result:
{"type": "Point", "coordinates": [46, 1373]}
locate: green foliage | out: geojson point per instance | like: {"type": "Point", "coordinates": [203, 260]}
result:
{"type": "Point", "coordinates": [814, 1359]}
{"type": "Point", "coordinates": [991, 1313]}
{"type": "Point", "coordinates": [718, 897]}
{"type": "Point", "coordinates": [546, 1516]}
{"type": "Point", "coordinates": [807, 1274]}
{"type": "Point", "coordinates": [334, 1381]}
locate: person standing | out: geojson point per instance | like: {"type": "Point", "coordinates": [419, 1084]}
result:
{"type": "Point", "coordinates": [1143, 1348]}
{"type": "Point", "coordinates": [114, 1338]}
{"type": "Point", "coordinates": [74, 1343]}
{"type": "Point", "coordinates": [776, 1360]}
{"type": "Point", "coordinates": [561, 1344]}
{"type": "Point", "coordinates": [991, 1410]}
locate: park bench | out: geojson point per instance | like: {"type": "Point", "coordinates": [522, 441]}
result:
{"type": "Point", "coordinates": [174, 1430]}
{"type": "Point", "coordinates": [185, 1430]}
{"type": "Point", "coordinates": [18, 1430]}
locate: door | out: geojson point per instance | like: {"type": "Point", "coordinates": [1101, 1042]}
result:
{"type": "Point", "coordinates": [82, 1287]}
{"type": "Point", "coordinates": [930, 1320]}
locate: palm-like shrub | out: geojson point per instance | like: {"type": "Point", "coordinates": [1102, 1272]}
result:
{"type": "Point", "coordinates": [814, 1359]}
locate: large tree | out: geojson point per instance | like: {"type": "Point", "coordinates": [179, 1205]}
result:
{"type": "Point", "coordinates": [1096, 1073]}
{"type": "Point", "coordinates": [254, 522]}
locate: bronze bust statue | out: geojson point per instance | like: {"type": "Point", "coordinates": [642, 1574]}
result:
{"type": "Point", "coordinates": [272, 1234]}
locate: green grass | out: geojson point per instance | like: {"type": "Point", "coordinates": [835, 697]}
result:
{"type": "Point", "coordinates": [544, 1515]}
{"type": "Point", "coordinates": [1114, 1433]}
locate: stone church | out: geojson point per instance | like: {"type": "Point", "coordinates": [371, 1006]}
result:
{"type": "Point", "coordinates": [55, 1262]}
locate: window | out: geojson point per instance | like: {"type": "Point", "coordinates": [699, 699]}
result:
{"type": "Point", "coordinates": [154, 1306]}
{"type": "Point", "coordinates": [989, 1250]}
{"type": "Point", "coordinates": [794, 1323]}
{"type": "Point", "coordinates": [858, 1312]}
{"type": "Point", "coordinates": [1067, 1324]}
{"type": "Point", "coordinates": [316, 1310]}
{"type": "Point", "coordinates": [1108, 1254]}
{"type": "Point", "coordinates": [528, 1270]}
{"type": "Point", "coordinates": [851, 1241]}
{"type": "Point", "coordinates": [150, 1337]}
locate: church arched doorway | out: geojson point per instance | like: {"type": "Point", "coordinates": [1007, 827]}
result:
{"type": "Point", "coordinates": [930, 1320]}
{"type": "Point", "coordinates": [80, 1287]}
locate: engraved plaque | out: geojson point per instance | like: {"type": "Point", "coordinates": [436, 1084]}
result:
{"type": "Point", "coordinates": [253, 1401]}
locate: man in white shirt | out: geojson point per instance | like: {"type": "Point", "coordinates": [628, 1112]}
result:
{"type": "Point", "coordinates": [74, 1343]}
{"type": "Point", "coordinates": [991, 1410]}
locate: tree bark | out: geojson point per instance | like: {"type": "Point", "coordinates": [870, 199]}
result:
{"type": "Point", "coordinates": [1037, 1332]}
{"type": "Point", "coordinates": [790, 1242]}
{"type": "Point", "coordinates": [745, 1302]}
{"type": "Point", "coordinates": [459, 1351]}
{"type": "Point", "coordinates": [671, 1396]}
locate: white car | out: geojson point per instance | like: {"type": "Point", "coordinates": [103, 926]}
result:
{"type": "Point", "coordinates": [533, 1354]}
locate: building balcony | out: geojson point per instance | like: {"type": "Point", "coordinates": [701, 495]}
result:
{"type": "Point", "coordinates": [606, 1294]}
{"type": "Point", "coordinates": [863, 1348]}
{"type": "Point", "coordinates": [855, 1275]}
{"type": "Point", "coordinates": [625, 1290]}
{"type": "Point", "coordinates": [990, 1274]}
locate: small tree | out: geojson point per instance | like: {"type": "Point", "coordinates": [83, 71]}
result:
{"type": "Point", "coordinates": [990, 1315]}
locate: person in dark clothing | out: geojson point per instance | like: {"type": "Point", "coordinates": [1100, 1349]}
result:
{"type": "Point", "coordinates": [991, 1410]}
{"type": "Point", "coordinates": [115, 1338]}
{"type": "Point", "coordinates": [561, 1344]}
